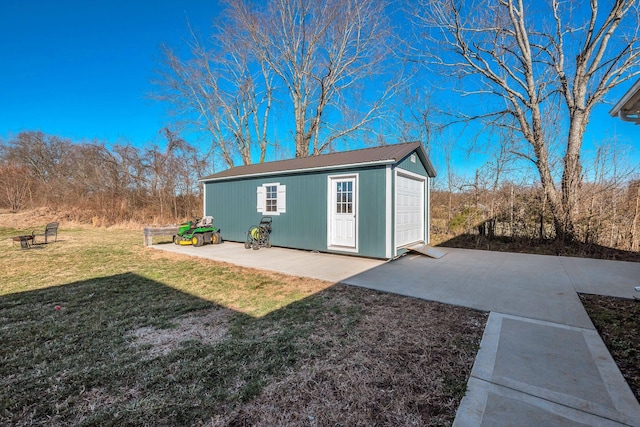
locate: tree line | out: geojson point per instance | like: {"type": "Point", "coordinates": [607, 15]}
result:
{"type": "Point", "coordinates": [608, 216]}
{"type": "Point", "coordinates": [91, 181]}
{"type": "Point", "coordinates": [105, 185]}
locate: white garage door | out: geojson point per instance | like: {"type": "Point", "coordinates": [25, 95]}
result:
{"type": "Point", "coordinates": [409, 210]}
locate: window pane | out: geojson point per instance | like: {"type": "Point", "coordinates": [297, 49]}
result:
{"type": "Point", "coordinates": [272, 192]}
{"type": "Point", "coordinates": [271, 199]}
{"type": "Point", "coordinates": [344, 197]}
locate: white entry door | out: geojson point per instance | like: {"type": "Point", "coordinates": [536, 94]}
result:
{"type": "Point", "coordinates": [342, 211]}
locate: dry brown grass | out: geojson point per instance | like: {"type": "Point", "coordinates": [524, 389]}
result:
{"type": "Point", "coordinates": [399, 364]}
{"type": "Point", "coordinates": [535, 246]}
{"type": "Point", "coordinates": [208, 327]}
{"type": "Point", "coordinates": [618, 323]}
{"type": "Point", "coordinates": [34, 218]}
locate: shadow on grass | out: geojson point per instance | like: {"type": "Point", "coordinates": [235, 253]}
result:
{"type": "Point", "coordinates": [81, 364]}
{"type": "Point", "coordinates": [69, 356]}
{"type": "Point", "coordinates": [541, 247]}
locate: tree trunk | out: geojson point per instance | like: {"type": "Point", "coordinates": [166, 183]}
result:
{"type": "Point", "coordinates": [511, 214]}
{"type": "Point", "coordinates": [547, 79]}
{"type": "Point", "coordinates": [302, 142]}
{"type": "Point", "coordinates": [634, 227]}
{"type": "Point", "coordinates": [544, 202]}
{"type": "Point", "coordinates": [572, 177]}
{"type": "Point", "coordinates": [613, 239]}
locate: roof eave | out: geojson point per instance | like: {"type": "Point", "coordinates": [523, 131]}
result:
{"type": "Point", "coordinates": [633, 117]}
{"type": "Point", "coordinates": [431, 171]}
{"type": "Point", "coordinates": [627, 108]}
{"type": "Point", "coordinates": [300, 170]}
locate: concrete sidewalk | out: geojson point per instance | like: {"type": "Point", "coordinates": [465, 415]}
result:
{"type": "Point", "coordinates": [541, 362]}
{"type": "Point", "coordinates": [534, 373]}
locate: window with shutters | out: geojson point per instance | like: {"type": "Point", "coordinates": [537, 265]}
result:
{"type": "Point", "coordinates": [271, 199]}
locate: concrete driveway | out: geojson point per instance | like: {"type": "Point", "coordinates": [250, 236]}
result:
{"type": "Point", "coordinates": [541, 362]}
{"type": "Point", "coordinates": [534, 286]}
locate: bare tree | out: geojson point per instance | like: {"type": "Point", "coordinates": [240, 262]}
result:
{"type": "Point", "coordinates": [43, 154]}
{"type": "Point", "coordinates": [536, 59]}
{"type": "Point", "coordinates": [105, 185]}
{"type": "Point", "coordinates": [324, 53]}
{"type": "Point", "coordinates": [634, 193]}
{"type": "Point", "coordinates": [416, 116]}
{"type": "Point", "coordinates": [163, 170]}
{"type": "Point", "coordinates": [222, 90]}
{"type": "Point", "coordinates": [15, 185]}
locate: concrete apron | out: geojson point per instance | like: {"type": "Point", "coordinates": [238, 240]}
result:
{"type": "Point", "coordinates": [540, 362]}
{"type": "Point", "coordinates": [329, 267]}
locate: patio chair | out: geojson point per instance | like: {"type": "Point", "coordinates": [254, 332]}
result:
{"type": "Point", "coordinates": [51, 230]}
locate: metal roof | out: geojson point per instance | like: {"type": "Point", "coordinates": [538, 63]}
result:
{"type": "Point", "coordinates": [385, 154]}
{"type": "Point", "coordinates": [628, 108]}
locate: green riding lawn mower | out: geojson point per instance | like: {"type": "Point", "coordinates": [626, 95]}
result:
{"type": "Point", "coordinates": [197, 232]}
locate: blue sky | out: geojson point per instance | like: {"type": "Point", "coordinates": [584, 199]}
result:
{"type": "Point", "coordinates": [83, 70]}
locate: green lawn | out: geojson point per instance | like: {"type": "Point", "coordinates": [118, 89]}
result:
{"type": "Point", "coordinates": [97, 330]}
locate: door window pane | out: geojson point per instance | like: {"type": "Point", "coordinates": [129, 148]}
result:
{"type": "Point", "coordinates": [344, 197]}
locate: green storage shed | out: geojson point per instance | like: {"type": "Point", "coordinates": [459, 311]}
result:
{"type": "Point", "coordinates": [372, 202]}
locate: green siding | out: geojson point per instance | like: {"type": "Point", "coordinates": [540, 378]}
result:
{"type": "Point", "coordinates": [372, 228]}
{"type": "Point", "coordinates": [304, 224]}
{"type": "Point", "coordinates": [416, 167]}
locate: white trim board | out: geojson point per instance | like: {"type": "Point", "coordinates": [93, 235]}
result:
{"type": "Point", "coordinates": [356, 208]}
{"type": "Point", "coordinates": [423, 179]}
{"type": "Point", "coordinates": [389, 251]}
